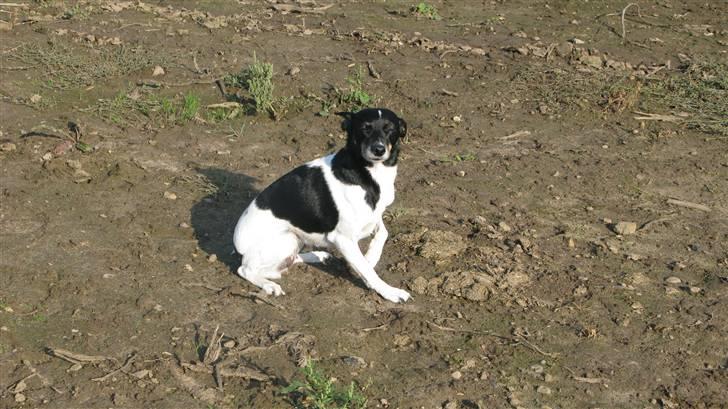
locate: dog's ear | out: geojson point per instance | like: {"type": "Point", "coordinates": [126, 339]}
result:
{"type": "Point", "coordinates": [402, 128]}
{"type": "Point", "coordinates": [346, 123]}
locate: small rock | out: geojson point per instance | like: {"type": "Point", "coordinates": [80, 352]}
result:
{"type": "Point", "coordinates": [189, 267]}
{"type": "Point", "coordinates": [20, 387]}
{"type": "Point", "coordinates": [47, 156]}
{"type": "Point", "coordinates": [418, 285]}
{"type": "Point", "coordinates": [142, 373]}
{"type": "Point", "coordinates": [19, 398]}
{"type": "Point", "coordinates": [229, 344]}
{"type": "Point", "coordinates": [7, 147]}
{"type": "Point", "coordinates": [577, 41]}
{"type": "Point", "coordinates": [625, 228]}
{"type": "Point", "coordinates": [673, 280]}
{"type": "Point", "coordinates": [580, 291]}
{"type": "Point", "coordinates": [548, 378]}
{"type": "Point", "coordinates": [384, 403]}
{"type": "Point", "coordinates": [594, 61]}
{"type": "Point", "coordinates": [516, 278]}
{"type": "Point", "coordinates": [158, 71]}
{"type": "Point", "coordinates": [170, 196]}
{"type": "Point", "coordinates": [695, 290]}
{"type": "Point", "coordinates": [461, 173]}
{"type": "Point", "coordinates": [212, 258]}
{"type": "Point", "coordinates": [477, 292]}
{"type": "Point", "coordinates": [504, 226]}
{"type": "Point", "coordinates": [293, 71]}
{"type": "Point", "coordinates": [544, 390]}
{"type": "Point", "coordinates": [571, 243]}
{"type": "Point", "coordinates": [118, 399]}
{"type": "Point", "coordinates": [354, 361]}
{"type": "Point", "coordinates": [456, 375]}
{"type": "Point", "coordinates": [35, 98]}
{"type": "Point", "coordinates": [402, 340]}
{"type": "Point", "coordinates": [671, 291]}
{"type": "Point", "coordinates": [457, 118]}
{"type": "Point", "coordinates": [184, 225]}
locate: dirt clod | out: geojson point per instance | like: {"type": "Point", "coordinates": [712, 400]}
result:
{"type": "Point", "coordinates": [440, 245]}
{"type": "Point", "coordinates": [625, 228]}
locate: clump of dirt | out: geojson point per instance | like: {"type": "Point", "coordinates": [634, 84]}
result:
{"type": "Point", "coordinates": [465, 284]}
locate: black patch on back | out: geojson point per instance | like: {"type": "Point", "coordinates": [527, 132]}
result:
{"type": "Point", "coordinates": [350, 169]}
{"type": "Point", "coordinates": [302, 197]}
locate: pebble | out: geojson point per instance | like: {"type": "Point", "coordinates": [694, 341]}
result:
{"type": "Point", "coordinates": [544, 390]}
{"type": "Point", "coordinates": [158, 71]}
{"type": "Point", "coordinates": [673, 280]}
{"type": "Point", "coordinates": [581, 291]}
{"type": "Point", "coordinates": [7, 147]}
{"type": "Point", "coordinates": [229, 344]}
{"type": "Point", "coordinates": [170, 196]}
{"type": "Point", "coordinates": [35, 98]}
{"type": "Point", "coordinates": [457, 118]}
{"type": "Point", "coordinates": [293, 71]}
{"type": "Point", "coordinates": [577, 41]}
{"type": "Point", "coordinates": [355, 361]}
{"type": "Point", "coordinates": [212, 258]}
{"type": "Point", "coordinates": [625, 228]}
{"type": "Point", "coordinates": [452, 404]}
{"type": "Point", "coordinates": [456, 375]}
{"type": "Point", "coordinates": [19, 398]}
{"type": "Point", "coordinates": [594, 61]}
{"type": "Point", "coordinates": [695, 290]}
{"type": "Point", "coordinates": [188, 267]}
{"type": "Point", "coordinates": [184, 225]}
{"type": "Point", "coordinates": [671, 291]}
{"type": "Point", "coordinates": [461, 173]}
{"type": "Point", "coordinates": [504, 226]}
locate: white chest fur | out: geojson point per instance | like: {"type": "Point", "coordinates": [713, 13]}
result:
{"type": "Point", "coordinates": [356, 216]}
{"type": "Point", "coordinates": [384, 176]}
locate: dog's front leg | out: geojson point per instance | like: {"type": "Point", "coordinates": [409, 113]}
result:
{"type": "Point", "coordinates": [374, 252]}
{"type": "Point", "coordinates": [350, 250]}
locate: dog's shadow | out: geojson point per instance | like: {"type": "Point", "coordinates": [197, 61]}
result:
{"type": "Point", "coordinates": [214, 218]}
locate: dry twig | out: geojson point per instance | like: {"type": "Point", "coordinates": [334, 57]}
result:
{"type": "Point", "coordinates": [516, 340]}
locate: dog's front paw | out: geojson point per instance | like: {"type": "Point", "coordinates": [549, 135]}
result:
{"type": "Point", "coordinates": [394, 294]}
{"type": "Point", "coordinates": [273, 289]}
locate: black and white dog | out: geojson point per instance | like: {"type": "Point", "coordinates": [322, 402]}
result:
{"type": "Point", "coordinates": [330, 202]}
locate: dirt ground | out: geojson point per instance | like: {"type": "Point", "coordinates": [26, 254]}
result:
{"type": "Point", "coordinates": [561, 215]}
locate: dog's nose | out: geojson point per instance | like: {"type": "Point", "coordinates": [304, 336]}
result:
{"type": "Point", "coordinates": [378, 149]}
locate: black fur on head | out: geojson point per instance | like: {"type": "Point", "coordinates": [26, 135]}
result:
{"type": "Point", "coordinates": [373, 134]}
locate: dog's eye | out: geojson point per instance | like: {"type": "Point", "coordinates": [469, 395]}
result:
{"type": "Point", "coordinates": [388, 127]}
{"type": "Point", "coordinates": [366, 127]}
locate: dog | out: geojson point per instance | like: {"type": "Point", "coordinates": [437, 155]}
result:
{"type": "Point", "coordinates": [330, 202]}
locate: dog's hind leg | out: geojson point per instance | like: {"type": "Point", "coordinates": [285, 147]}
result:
{"type": "Point", "coordinates": [312, 257]}
{"type": "Point", "coordinates": [259, 279]}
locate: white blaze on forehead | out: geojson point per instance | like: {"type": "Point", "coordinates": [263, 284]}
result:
{"type": "Point", "coordinates": [380, 113]}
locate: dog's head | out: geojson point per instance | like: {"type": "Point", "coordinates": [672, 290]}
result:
{"type": "Point", "coordinates": [374, 133]}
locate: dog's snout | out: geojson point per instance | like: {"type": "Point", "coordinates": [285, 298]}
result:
{"type": "Point", "coordinates": [379, 149]}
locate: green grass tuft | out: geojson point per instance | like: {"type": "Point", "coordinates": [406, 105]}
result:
{"type": "Point", "coordinates": [356, 97]}
{"type": "Point", "coordinates": [319, 391]}
{"type": "Point", "coordinates": [426, 10]}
